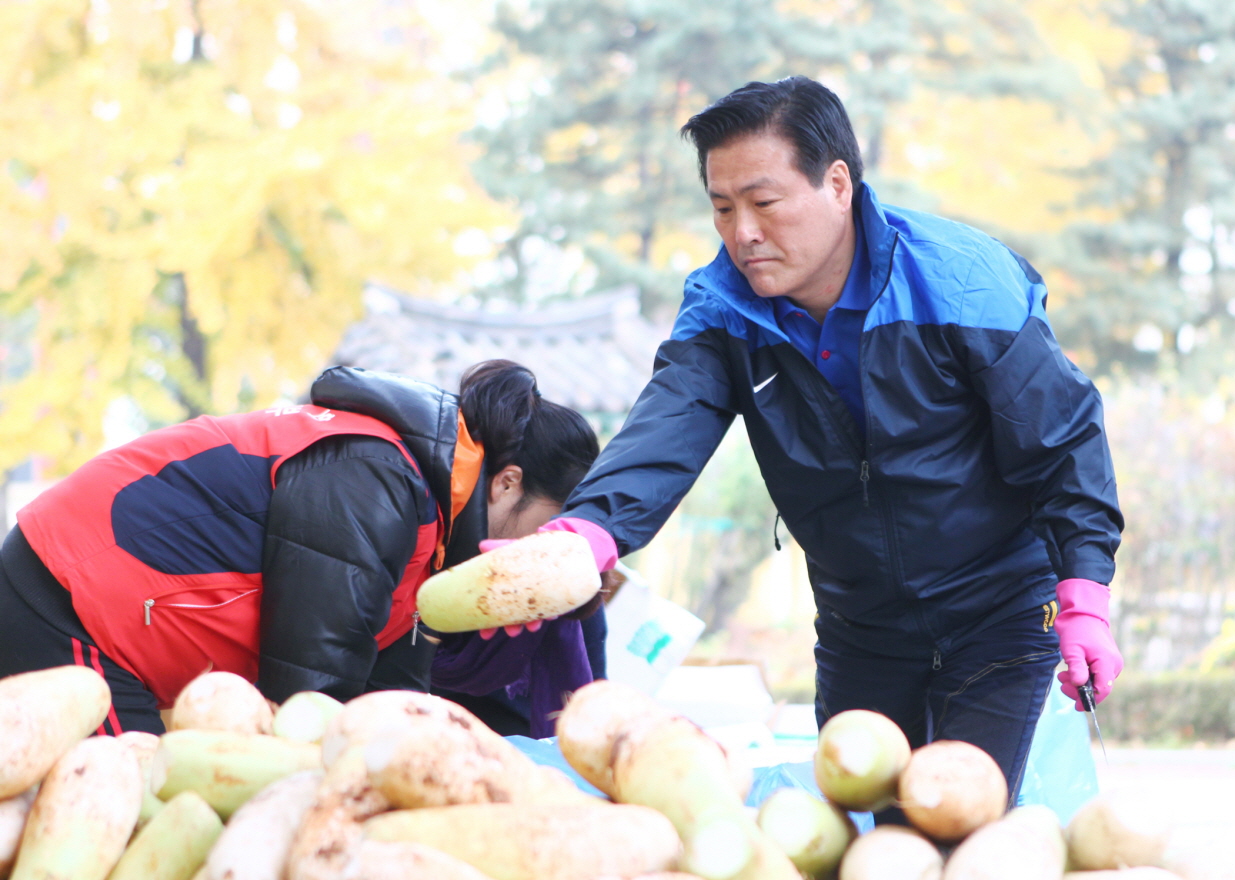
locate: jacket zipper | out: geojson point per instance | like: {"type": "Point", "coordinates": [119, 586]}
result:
{"type": "Point", "coordinates": [149, 603]}
{"type": "Point", "coordinates": [415, 625]}
{"type": "Point", "coordinates": [864, 464]}
{"type": "Point", "coordinates": [938, 662]}
{"type": "Point", "coordinates": [865, 473]}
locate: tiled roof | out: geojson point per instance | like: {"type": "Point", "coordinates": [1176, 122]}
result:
{"type": "Point", "coordinates": [593, 354]}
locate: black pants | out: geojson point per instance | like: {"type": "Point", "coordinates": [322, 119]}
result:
{"type": "Point", "coordinates": [39, 629]}
{"type": "Point", "coordinates": [987, 690]}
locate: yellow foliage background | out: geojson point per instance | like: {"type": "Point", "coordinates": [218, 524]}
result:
{"type": "Point", "coordinates": [249, 191]}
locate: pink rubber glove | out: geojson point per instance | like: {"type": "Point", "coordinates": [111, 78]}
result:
{"type": "Point", "coordinates": [514, 629]}
{"type": "Point", "coordinates": [604, 550]}
{"type": "Point", "coordinates": [1085, 639]}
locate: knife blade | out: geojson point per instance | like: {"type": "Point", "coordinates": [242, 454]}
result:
{"type": "Point", "coordinates": [1091, 709]}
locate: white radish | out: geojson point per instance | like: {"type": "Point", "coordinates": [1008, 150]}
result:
{"type": "Point", "coordinates": [227, 768]}
{"type": "Point", "coordinates": [327, 842]}
{"type": "Point", "coordinates": [381, 860]}
{"type": "Point", "coordinates": [1109, 833]}
{"type": "Point", "coordinates": [540, 576]}
{"type": "Point", "coordinates": [718, 848]}
{"type": "Point", "coordinates": [950, 788]}
{"type": "Point", "coordinates": [891, 853]}
{"type": "Point", "coordinates": [813, 833]}
{"type": "Point", "coordinates": [145, 746]}
{"type": "Point", "coordinates": [539, 841]}
{"type": "Point", "coordinates": [597, 714]}
{"type": "Point", "coordinates": [859, 759]}
{"type": "Point", "coordinates": [13, 812]}
{"type": "Point", "coordinates": [173, 845]}
{"type": "Point", "coordinates": [221, 701]}
{"type": "Point", "coordinates": [42, 715]}
{"type": "Point", "coordinates": [674, 767]}
{"type": "Point", "coordinates": [1027, 844]}
{"type": "Point", "coordinates": [83, 815]}
{"type": "Point", "coordinates": [380, 712]}
{"type": "Point", "coordinates": [591, 721]}
{"type": "Point", "coordinates": [1144, 872]}
{"type": "Point", "coordinates": [430, 762]}
{"type": "Point", "coordinates": [305, 716]}
{"type": "Point", "coordinates": [258, 837]}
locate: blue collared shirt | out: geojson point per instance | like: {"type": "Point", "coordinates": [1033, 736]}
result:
{"type": "Point", "coordinates": [833, 346]}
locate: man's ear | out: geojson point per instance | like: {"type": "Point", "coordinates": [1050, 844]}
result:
{"type": "Point", "coordinates": [509, 478]}
{"type": "Point", "coordinates": [838, 182]}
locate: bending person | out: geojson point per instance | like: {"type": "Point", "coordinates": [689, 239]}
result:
{"type": "Point", "coordinates": [284, 545]}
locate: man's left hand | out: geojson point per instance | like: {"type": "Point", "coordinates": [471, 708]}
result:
{"type": "Point", "coordinates": [1085, 639]}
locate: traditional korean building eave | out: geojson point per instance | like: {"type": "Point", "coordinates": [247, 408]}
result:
{"type": "Point", "coordinates": [593, 354]}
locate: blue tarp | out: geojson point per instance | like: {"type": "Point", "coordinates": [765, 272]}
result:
{"type": "Point", "coordinates": [796, 775]}
{"type": "Point", "coordinates": [546, 752]}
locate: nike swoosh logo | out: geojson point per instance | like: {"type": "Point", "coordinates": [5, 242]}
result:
{"type": "Point", "coordinates": [764, 383]}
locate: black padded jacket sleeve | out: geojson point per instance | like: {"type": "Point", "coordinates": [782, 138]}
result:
{"type": "Point", "coordinates": [342, 526]}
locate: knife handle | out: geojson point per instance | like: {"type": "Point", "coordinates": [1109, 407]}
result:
{"type": "Point", "coordinates": [1086, 692]}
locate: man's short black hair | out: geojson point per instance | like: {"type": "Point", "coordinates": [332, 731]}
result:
{"type": "Point", "coordinates": [804, 112]}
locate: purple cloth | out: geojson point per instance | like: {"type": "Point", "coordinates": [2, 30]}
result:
{"type": "Point", "coordinates": [548, 665]}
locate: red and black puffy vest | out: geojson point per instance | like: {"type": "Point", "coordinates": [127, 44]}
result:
{"type": "Point", "coordinates": [160, 541]}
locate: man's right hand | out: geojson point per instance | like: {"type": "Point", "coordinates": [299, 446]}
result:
{"type": "Point", "coordinates": [601, 543]}
{"type": "Point", "coordinates": [604, 548]}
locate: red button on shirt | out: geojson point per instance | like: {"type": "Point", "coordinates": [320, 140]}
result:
{"type": "Point", "coordinates": [825, 355]}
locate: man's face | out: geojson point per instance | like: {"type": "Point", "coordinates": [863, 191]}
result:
{"type": "Point", "coordinates": [788, 237]}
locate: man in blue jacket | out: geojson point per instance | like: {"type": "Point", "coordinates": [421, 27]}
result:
{"type": "Point", "coordinates": [941, 463]}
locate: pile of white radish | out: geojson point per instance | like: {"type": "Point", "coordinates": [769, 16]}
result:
{"type": "Point", "coordinates": [399, 785]}
{"type": "Point", "coordinates": [955, 798]}
{"type": "Point", "coordinates": [393, 784]}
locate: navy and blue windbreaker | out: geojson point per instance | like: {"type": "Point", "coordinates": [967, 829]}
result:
{"type": "Point", "coordinates": [984, 475]}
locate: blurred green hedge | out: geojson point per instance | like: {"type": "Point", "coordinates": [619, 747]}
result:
{"type": "Point", "coordinates": [1168, 709]}
{"type": "Point", "coordinates": [1175, 708]}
